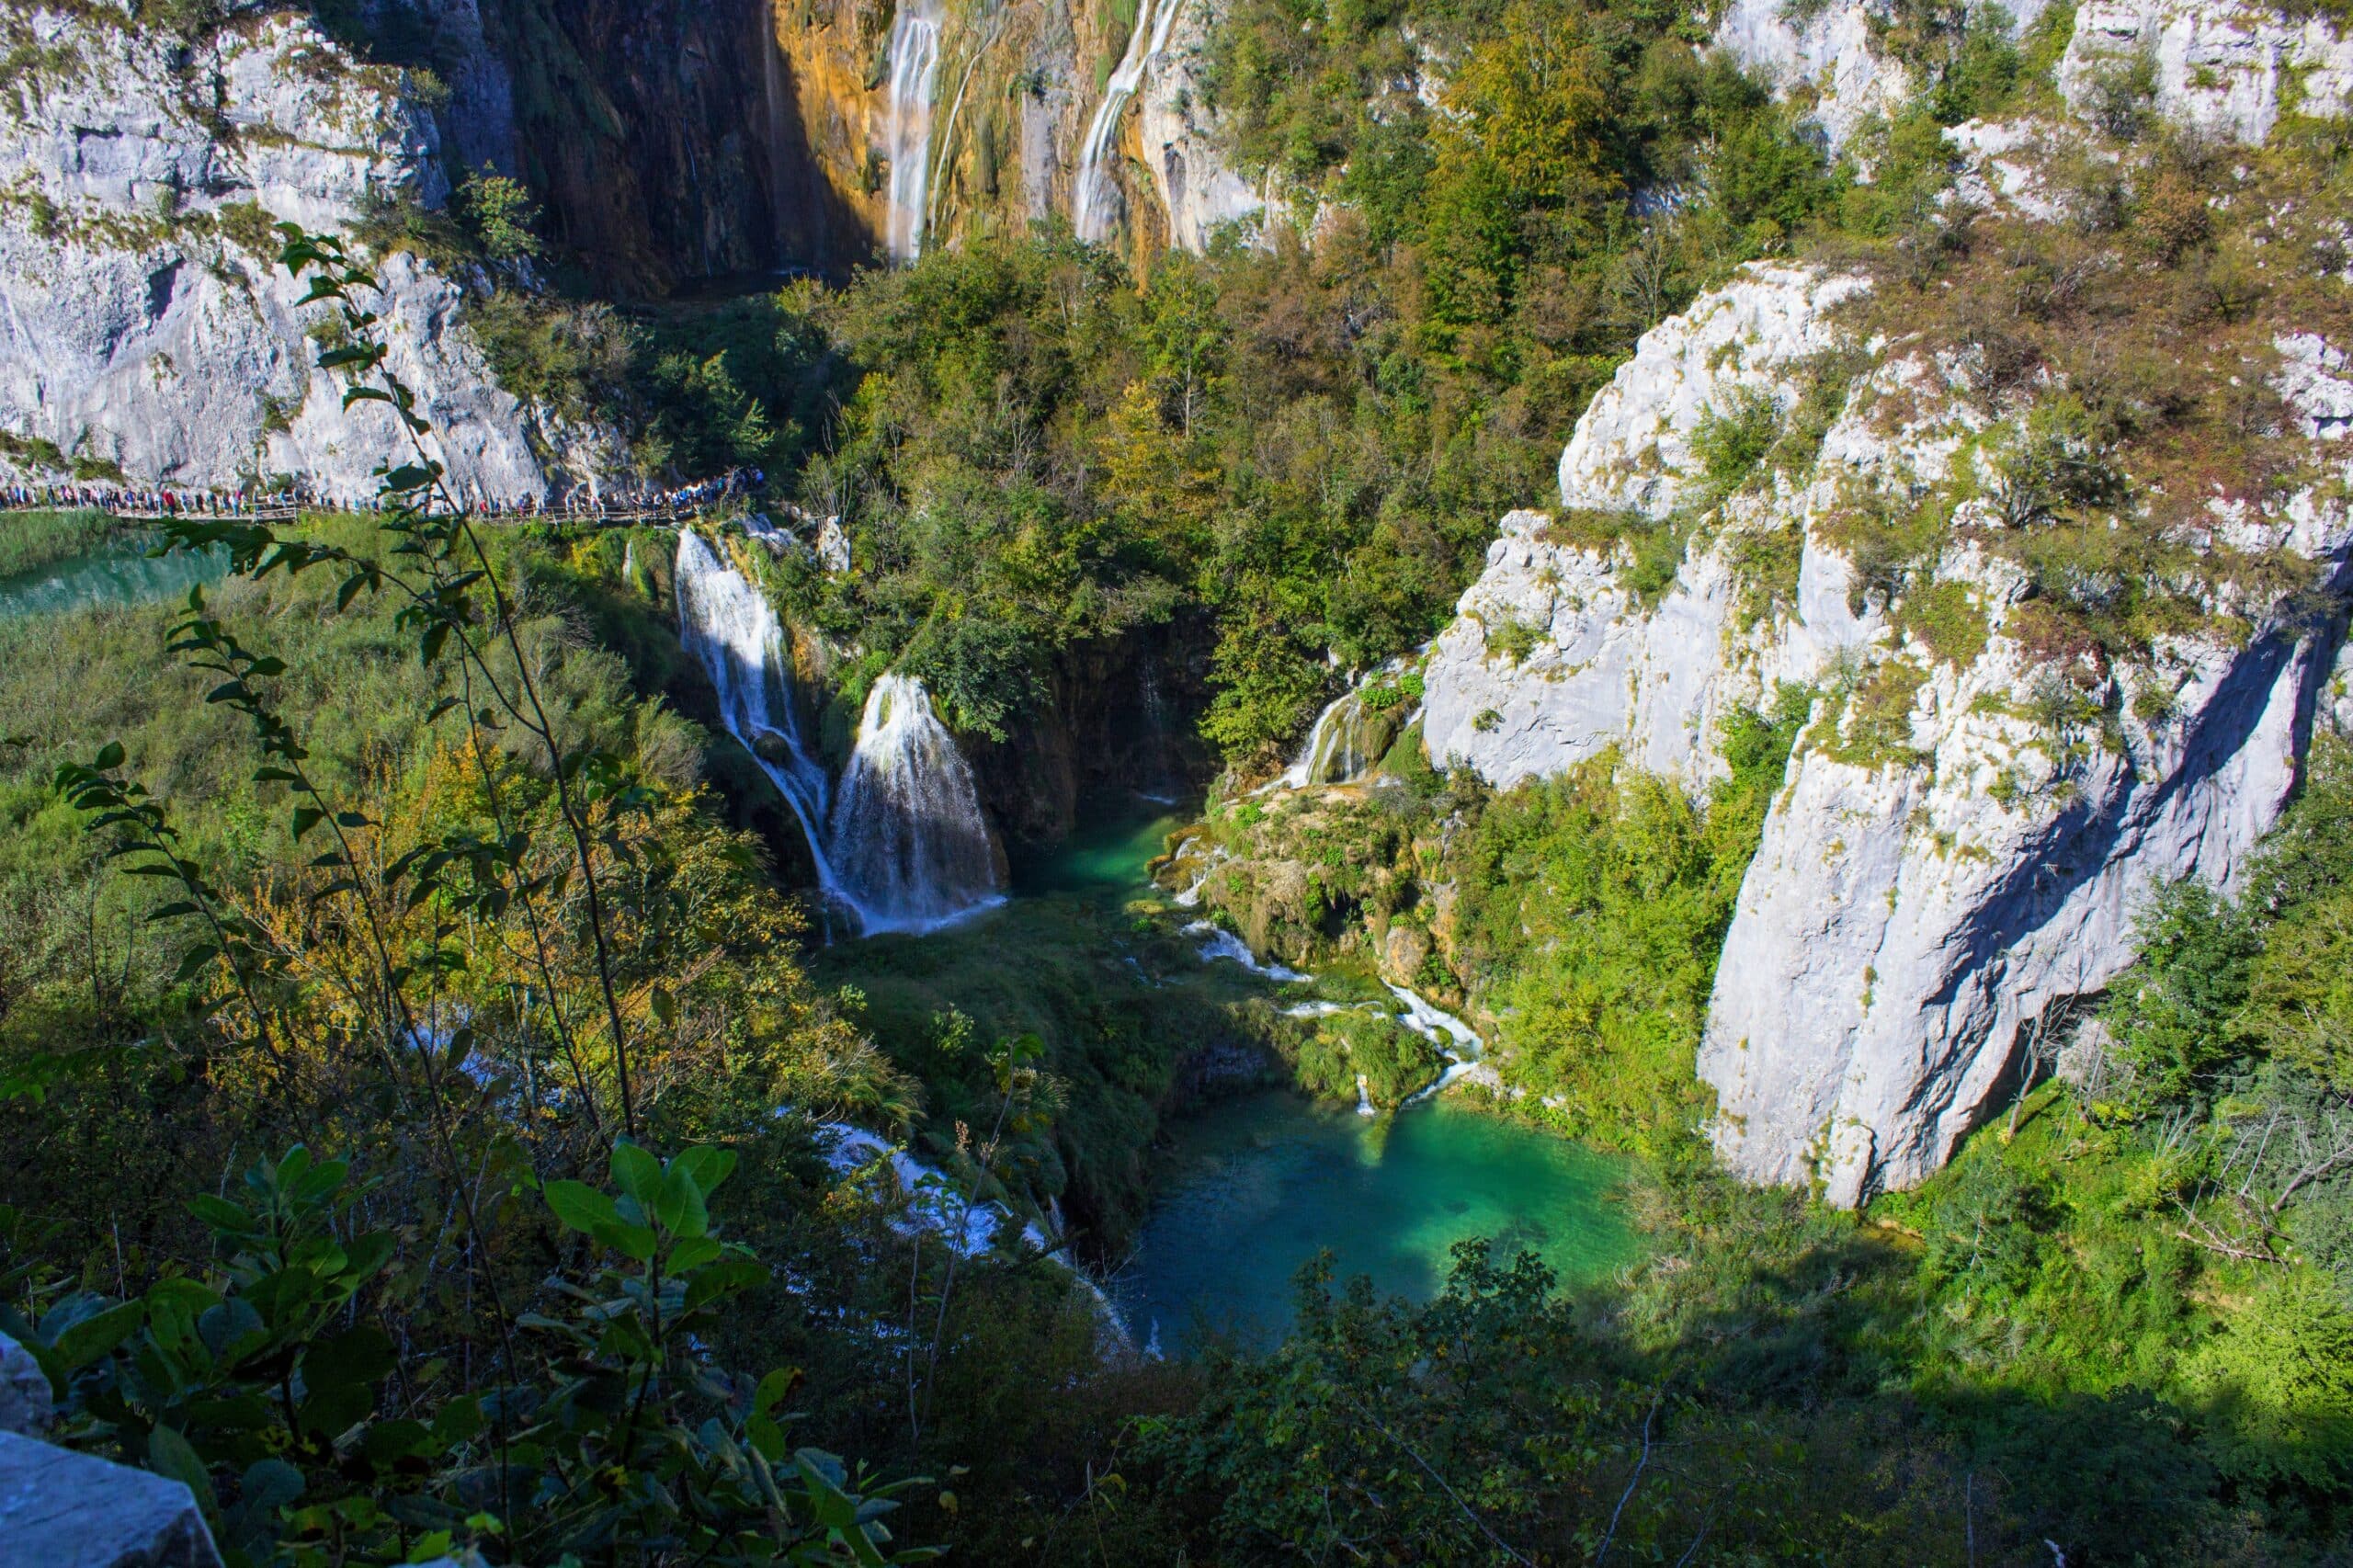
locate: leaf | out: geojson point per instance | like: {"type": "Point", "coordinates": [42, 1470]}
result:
{"type": "Point", "coordinates": [219, 1213]}
{"type": "Point", "coordinates": [109, 758]}
{"type": "Point", "coordinates": [170, 1454]}
{"type": "Point", "coordinates": [678, 1205]}
{"type": "Point", "coordinates": [707, 1165]}
{"type": "Point", "coordinates": [666, 1006]}
{"type": "Point", "coordinates": [774, 1388]}
{"type": "Point", "coordinates": [94, 1336]}
{"type": "Point", "coordinates": [306, 818]}
{"type": "Point", "coordinates": [268, 1485]}
{"type": "Point", "coordinates": [692, 1254]}
{"type": "Point", "coordinates": [634, 1242]}
{"type": "Point", "coordinates": [637, 1173]}
{"type": "Point", "coordinates": [581, 1207]}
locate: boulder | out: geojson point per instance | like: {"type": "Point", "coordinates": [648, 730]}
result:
{"type": "Point", "coordinates": [26, 1406]}
{"type": "Point", "coordinates": [63, 1509]}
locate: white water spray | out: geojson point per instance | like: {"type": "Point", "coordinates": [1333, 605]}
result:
{"type": "Point", "coordinates": [903, 844]}
{"type": "Point", "coordinates": [915, 79]}
{"type": "Point", "coordinates": [1349, 736]}
{"type": "Point", "coordinates": [731, 626]}
{"type": "Point", "coordinates": [1095, 206]}
{"type": "Point", "coordinates": [907, 829]}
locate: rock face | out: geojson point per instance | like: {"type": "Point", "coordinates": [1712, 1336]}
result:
{"type": "Point", "coordinates": [61, 1509]}
{"type": "Point", "coordinates": [1553, 654]}
{"type": "Point", "coordinates": [1832, 51]}
{"type": "Point", "coordinates": [1952, 860]}
{"type": "Point", "coordinates": [2227, 70]}
{"type": "Point", "coordinates": [26, 1403]}
{"type": "Point", "coordinates": [1184, 149]}
{"type": "Point", "coordinates": [148, 327]}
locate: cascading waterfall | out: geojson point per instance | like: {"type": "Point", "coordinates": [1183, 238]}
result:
{"type": "Point", "coordinates": [907, 829]}
{"type": "Point", "coordinates": [1350, 735]}
{"type": "Point", "coordinates": [731, 626]}
{"type": "Point", "coordinates": [903, 844]}
{"type": "Point", "coordinates": [914, 78]}
{"type": "Point", "coordinates": [1095, 206]}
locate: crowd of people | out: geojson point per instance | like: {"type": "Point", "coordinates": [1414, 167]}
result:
{"type": "Point", "coordinates": [582, 502]}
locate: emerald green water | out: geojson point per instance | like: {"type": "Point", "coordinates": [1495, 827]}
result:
{"type": "Point", "coordinates": [1257, 1186]}
{"type": "Point", "coordinates": [1252, 1188]}
{"type": "Point", "coordinates": [121, 575]}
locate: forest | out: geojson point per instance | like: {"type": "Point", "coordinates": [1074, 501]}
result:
{"type": "Point", "coordinates": [418, 1041]}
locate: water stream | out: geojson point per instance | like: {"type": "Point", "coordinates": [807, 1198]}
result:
{"type": "Point", "coordinates": [915, 86]}
{"type": "Point", "coordinates": [906, 830]}
{"type": "Point", "coordinates": [121, 575]}
{"type": "Point", "coordinates": [1095, 206]}
{"type": "Point", "coordinates": [901, 844]}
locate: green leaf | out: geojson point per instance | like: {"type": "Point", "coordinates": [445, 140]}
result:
{"type": "Point", "coordinates": [774, 1388]}
{"type": "Point", "coordinates": [581, 1207]}
{"type": "Point", "coordinates": [708, 1166]}
{"type": "Point", "coordinates": [94, 1336]}
{"type": "Point", "coordinates": [693, 1253]}
{"type": "Point", "coordinates": [678, 1205]}
{"type": "Point", "coordinates": [637, 1173]}
{"type": "Point", "coordinates": [109, 758]}
{"type": "Point", "coordinates": [170, 1454]}
{"type": "Point", "coordinates": [219, 1213]}
{"type": "Point", "coordinates": [631, 1241]}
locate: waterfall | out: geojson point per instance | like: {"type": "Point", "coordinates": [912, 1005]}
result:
{"type": "Point", "coordinates": [1094, 205]}
{"type": "Point", "coordinates": [915, 77]}
{"type": "Point", "coordinates": [1349, 736]}
{"type": "Point", "coordinates": [903, 844]}
{"type": "Point", "coordinates": [907, 830]}
{"type": "Point", "coordinates": [731, 626]}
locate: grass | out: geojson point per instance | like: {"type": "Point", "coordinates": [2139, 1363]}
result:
{"type": "Point", "coordinates": [31, 540]}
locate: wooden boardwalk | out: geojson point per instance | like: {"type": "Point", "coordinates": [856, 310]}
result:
{"type": "Point", "coordinates": [591, 516]}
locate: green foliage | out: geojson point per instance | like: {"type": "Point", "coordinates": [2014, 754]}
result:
{"type": "Point", "coordinates": [30, 540]}
{"type": "Point", "coordinates": [501, 215]}
{"type": "Point", "coordinates": [2170, 1013]}
{"type": "Point", "coordinates": [1594, 905]}
{"type": "Point", "coordinates": [1732, 441]}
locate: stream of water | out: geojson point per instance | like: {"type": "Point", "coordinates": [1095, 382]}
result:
{"type": "Point", "coordinates": [122, 575]}
{"type": "Point", "coordinates": [1094, 203]}
{"type": "Point", "coordinates": [1252, 1188]}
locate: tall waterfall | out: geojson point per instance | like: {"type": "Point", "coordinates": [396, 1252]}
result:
{"type": "Point", "coordinates": [915, 79]}
{"type": "Point", "coordinates": [1095, 206]}
{"type": "Point", "coordinates": [903, 844]}
{"type": "Point", "coordinates": [907, 830]}
{"type": "Point", "coordinates": [731, 626]}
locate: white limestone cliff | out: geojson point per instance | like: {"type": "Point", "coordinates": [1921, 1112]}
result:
{"type": "Point", "coordinates": [1198, 189]}
{"type": "Point", "coordinates": [1830, 51]}
{"type": "Point", "coordinates": [2226, 69]}
{"type": "Point", "coordinates": [1937, 872]}
{"type": "Point", "coordinates": [1595, 666]}
{"type": "Point", "coordinates": [146, 324]}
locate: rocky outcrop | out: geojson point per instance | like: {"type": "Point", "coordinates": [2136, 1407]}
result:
{"type": "Point", "coordinates": [1830, 52]}
{"type": "Point", "coordinates": [1902, 928]}
{"type": "Point", "coordinates": [63, 1509]}
{"type": "Point", "coordinates": [2227, 70]}
{"type": "Point", "coordinates": [1964, 833]}
{"type": "Point", "coordinates": [1555, 653]}
{"type": "Point", "coordinates": [148, 329]}
{"type": "Point", "coordinates": [1181, 145]}
{"type": "Point", "coordinates": [26, 1402]}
